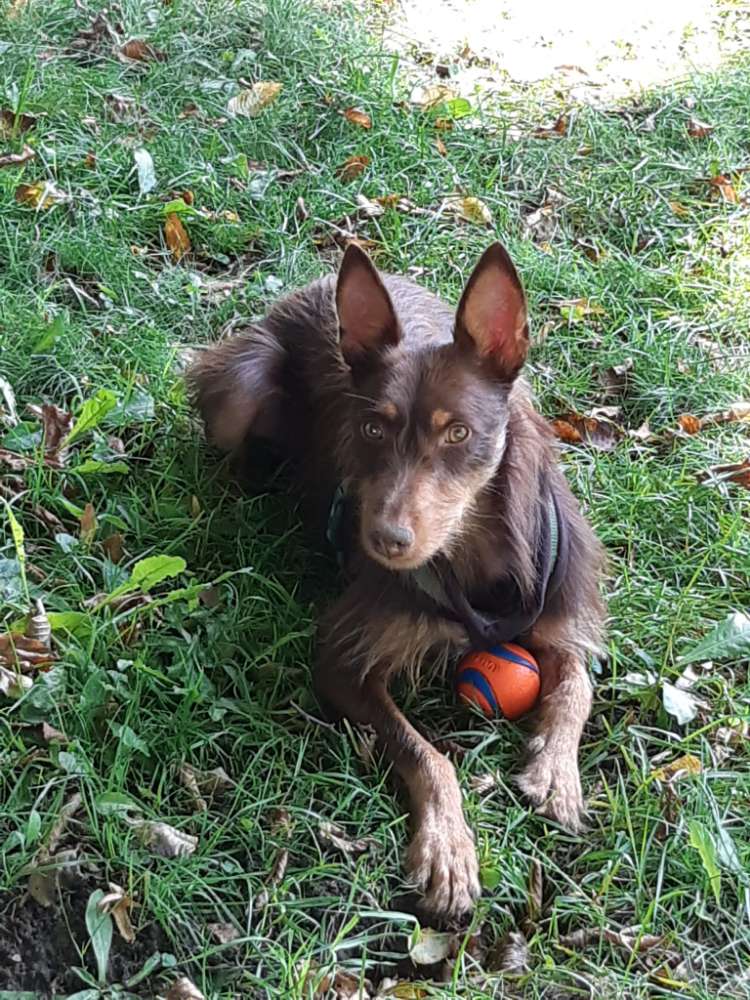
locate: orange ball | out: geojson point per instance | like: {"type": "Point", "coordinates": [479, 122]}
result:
{"type": "Point", "coordinates": [503, 680]}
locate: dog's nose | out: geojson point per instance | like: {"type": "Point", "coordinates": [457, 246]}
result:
{"type": "Point", "coordinates": [393, 540]}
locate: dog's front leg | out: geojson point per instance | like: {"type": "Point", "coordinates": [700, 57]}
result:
{"type": "Point", "coordinates": [551, 778]}
{"type": "Point", "coordinates": [441, 857]}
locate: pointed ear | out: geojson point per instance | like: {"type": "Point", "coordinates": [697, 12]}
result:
{"type": "Point", "coordinates": [367, 320]}
{"type": "Point", "coordinates": [491, 319]}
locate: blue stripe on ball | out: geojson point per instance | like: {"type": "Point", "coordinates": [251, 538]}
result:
{"type": "Point", "coordinates": [505, 654]}
{"type": "Point", "coordinates": [481, 682]}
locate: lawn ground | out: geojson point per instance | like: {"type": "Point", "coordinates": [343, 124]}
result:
{"type": "Point", "coordinates": [630, 227]}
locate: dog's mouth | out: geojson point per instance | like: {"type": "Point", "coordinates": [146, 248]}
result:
{"type": "Point", "coordinates": [397, 551]}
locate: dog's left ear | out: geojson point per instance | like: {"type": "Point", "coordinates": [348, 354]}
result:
{"type": "Point", "coordinates": [367, 320]}
{"type": "Point", "coordinates": [491, 319]}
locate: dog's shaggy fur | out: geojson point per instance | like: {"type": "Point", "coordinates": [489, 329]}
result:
{"type": "Point", "coordinates": [370, 380]}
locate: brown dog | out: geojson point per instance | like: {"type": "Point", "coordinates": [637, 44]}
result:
{"type": "Point", "coordinates": [459, 530]}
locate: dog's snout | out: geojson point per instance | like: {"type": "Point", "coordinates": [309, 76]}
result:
{"type": "Point", "coordinates": [392, 540]}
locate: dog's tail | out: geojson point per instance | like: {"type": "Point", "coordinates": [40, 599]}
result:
{"type": "Point", "coordinates": [236, 386]}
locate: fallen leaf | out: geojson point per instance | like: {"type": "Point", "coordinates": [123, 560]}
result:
{"type": "Point", "coordinates": [678, 208]}
{"type": "Point", "coordinates": [90, 161]}
{"type": "Point", "coordinates": [38, 626]}
{"type": "Point", "coordinates": [469, 209]}
{"type": "Point", "coordinates": [145, 166]}
{"type": "Point", "coordinates": [535, 894]}
{"type": "Point", "coordinates": [735, 472]}
{"type": "Point", "coordinates": [629, 938]}
{"type": "Point", "coordinates": [510, 954]}
{"type": "Point", "coordinates": [428, 947]}
{"type": "Point", "coordinates": [730, 738]}
{"type": "Point", "coordinates": [430, 97]}
{"type": "Point", "coordinates": [184, 989]}
{"type": "Point", "coordinates": [352, 167]}
{"type": "Point", "coordinates": [281, 821]}
{"type": "Point", "coordinates": [224, 933]}
{"type": "Point", "coordinates": [680, 704]}
{"type": "Point", "coordinates": [249, 103]}
{"type": "Point", "coordinates": [596, 429]}
{"type": "Point", "coordinates": [40, 195]}
{"type": "Point", "coordinates": [56, 425]}
{"type": "Point", "coordinates": [334, 836]}
{"type": "Point", "coordinates": [165, 840]}
{"type": "Point", "coordinates": [23, 653]}
{"type": "Point", "coordinates": [45, 877]}
{"type": "Point", "coordinates": [11, 122]}
{"type": "Point", "coordinates": [681, 767]}
{"type": "Point", "coordinates": [357, 117]}
{"type": "Point", "coordinates": [699, 130]}
{"type": "Point", "coordinates": [12, 684]}
{"type": "Point", "coordinates": [703, 841]}
{"type": "Point", "coordinates": [17, 159]}
{"type": "Point", "coordinates": [554, 131]}
{"type": "Point", "coordinates": [138, 50]}
{"type": "Point", "coordinates": [52, 735]}
{"type": "Point", "coordinates": [113, 545]}
{"type": "Point", "coordinates": [121, 108]}
{"type": "Point", "coordinates": [688, 423]}
{"type": "Point", "coordinates": [729, 640]}
{"type": "Point", "coordinates": [393, 989]}
{"type": "Point", "coordinates": [87, 529]}
{"type": "Point", "coordinates": [575, 310]}
{"type": "Point", "coordinates": [176, 236]}
{"type": "Point", "coordinates": [118, 904]}
{"type": "Point", "coordinates": [441, 147]}
{"type": "Point", "coordinates": [99, 35]}
{"type": "Point", "coordinates": [616, 378]}
{"type": "Point", "coordinates": [737, 412]}
{"type": "Point", "coordinates": [725, 188]}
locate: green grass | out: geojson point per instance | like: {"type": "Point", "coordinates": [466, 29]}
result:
{"type": "Point", "coordinates": [226, 682]}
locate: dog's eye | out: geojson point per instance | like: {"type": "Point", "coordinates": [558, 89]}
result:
{"type": "Point", "coordinates": [372, 431]}
{"type": "Point", "coordinates": [456, 434]}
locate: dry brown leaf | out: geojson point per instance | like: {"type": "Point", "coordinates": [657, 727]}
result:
{"type": "Point", "coordinates": [725, 188]}
{"type": "Point", "coordinates": [441, 147]}
{"type": "Point", "coordinates": [12, 123]}
{"type": "Point", "coordinates": [352, 167]}
{"type": "Point", "coordinates": [535, 895]}
{"type": "Point", "coordinates": [87, 530]}
{"type": "Point", "coordinates": [121, 108]}
{"type": "Point", "coordinates": [13, 684]}
{"type": "Point", "coordinates": [343, 986]}
{"type": "Point", "coordinates": [737, 412]}
{"type": "Point", "coordinates": [14, 461]}
{"type": "Point", "coordinates": [335, 836]}
{"type": "Point", "coordinates": [510, 955]}
{"type": "Point", "coordinates": [138, 50]}
{"type": "Point", "coordinates": [165, 840]}
{"type": "Point", "coordinates": [735, 472]}
{"type": "Point", "coordinates": [224, 933]}
{"type": "Point", "coordinates": [176, 236]}
{"type": "Point", "coordinates": [47, 872]}
{"type": "Point", "coordinates": [281, 822]}
{"type": "Point", "coordinates": [560, 127]}
{"type": "Point", "coordinates": [249, 103]}
{"type": "Point", "coordinates": [56, 425]}
{"type": "Point", "coordinates": [678, 208]}
{"type": "Point", "coordinates": [432, 96]}
{"type": "Point", "coordinates": [17, 159]}
{"type": "Point", "coordinates": [40, 195]}
{"type": "Point", "coordinates": [23, 653]}
{"type": "Point", "coordinates": [617, 378]}
{"type": "Point", "coordinates": [184, 989]}
{"type": "Point", "coordinates": [699, 130]}
{"type": "Point", "coordinates": [681, 767]}
{"type": "Point", "coordinates": [469, 209]}
{"type": "Point", "coordinates": [596, 429]}
{"type": "Point", "coordinates": [204, 785]}
{"type": "Point", "coordinates": [114, 547]}
{"type": "Point", "coordinates": [688, 423]}
{"type": "Point", "coordinates": [37, 625]}
{"type": "Point", "coordinates": [629, 938]}
{"type": "Point", "coordinates": [118, 904]}
{"type": "Point", "coordinates": [52, 735]}
{"type": "Point", "coordinates": [356, 117]}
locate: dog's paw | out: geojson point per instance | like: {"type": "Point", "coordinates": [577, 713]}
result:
{"type": "Point", "coordinates": [552, 784]}
{"type": "Point", "coordinates": [442, 862]}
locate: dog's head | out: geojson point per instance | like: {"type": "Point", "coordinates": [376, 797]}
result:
{"type": "Point", "coordinates": [429, 421]}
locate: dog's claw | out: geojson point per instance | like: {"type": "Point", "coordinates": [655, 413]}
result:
{"type": "Point", "coordinates": [552, 784]}
{"type": "Point", "coordinates": [442, 861]}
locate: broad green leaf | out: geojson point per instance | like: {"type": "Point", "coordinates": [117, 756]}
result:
{"type": "Point", "coordinates": [76, 623]}
{"type": "Point", "coordinates": [490, 876]}
{"type": "Point", "coordinates": [99, 926]}
{"type": "Point", "coordinates": [114, 804]}
{"type": "Point", "coordinates": [458, 107]}
{"type": "Point", "coordinates": [92, 465]}
{"type": "Point", "coordinates": [703, 842]}
{"type": "Point", "coordinates": [128, 738]}
{"type": "Point", "coordinates": [178, 205]}
{"type": "Point", "coordinates": [148, 572]}
{"type": "Point", "coordinates": [92, 413]}
{"type": "Point", "coordinates": [150, 965]}
{"type": "Point", "coordinates": [728, 641]}
{"type": "Point", "coordinates": [24, 437]}
{"type": "Point", "coordinates": [11, 583]}
{"type": "Point", "coordinates": [51, 335]}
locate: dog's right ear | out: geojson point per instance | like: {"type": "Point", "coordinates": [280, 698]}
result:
{"type": "Point", "coordinates": [367, 320]}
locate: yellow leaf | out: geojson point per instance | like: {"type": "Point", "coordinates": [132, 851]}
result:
{"type": "Point", "coordinates": [677, 208]}
{"type": "Point", "coordinates": [679, 768]}
{"type": "Point", "coordinates": [469, 209]}
{"type": "Point", "coordinates": [42, 194]}
{"type": "Point", "coordinates": [176, 236]}
{"type": "Point", "coordinates": [249, 103]}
